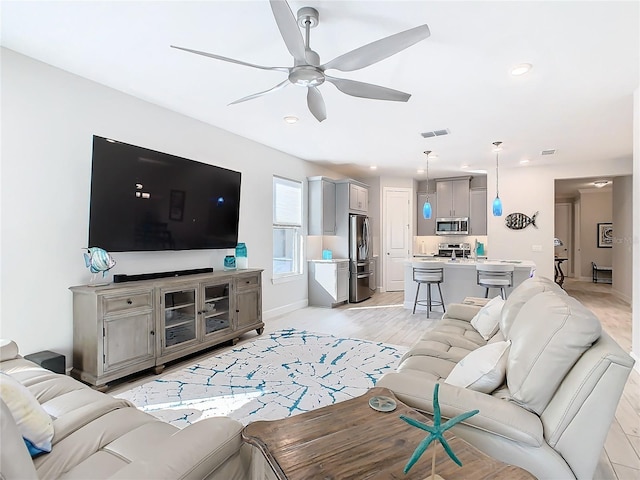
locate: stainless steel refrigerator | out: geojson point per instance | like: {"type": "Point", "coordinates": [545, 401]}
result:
{"type": "Point", "coordinates": [360, 251]}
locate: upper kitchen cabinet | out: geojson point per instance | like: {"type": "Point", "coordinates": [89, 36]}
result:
{"type": "Point", "coordinates": [358, 195]}
{"type": "Point", "coordinates": [426, 227]}
{"type": "Point", "coordinates": [478, 211]}
{"type": "Point", "coordinates": [322, 206]}
{"type": "Point", "coordinates": [452, 197]}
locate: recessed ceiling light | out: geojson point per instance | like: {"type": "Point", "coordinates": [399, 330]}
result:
{"type": "Point", "coordinates": [373, 167]}
{"type": "Point", "coordinates": [524, 161]}
{"type": "Point", "coordinates": [601, 183]}
{"type": "Point", "coordinates": [291, 119]}
{"type": "Point", "coordinates": [420, 171]}
{"type": "Point", "coordinates": [464, 167]}
{"type": "Point", "coordinates": [521, 69]}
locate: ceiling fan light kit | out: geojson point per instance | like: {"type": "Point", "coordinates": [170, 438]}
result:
{"type": "Point", "coordinates": [308, 72]}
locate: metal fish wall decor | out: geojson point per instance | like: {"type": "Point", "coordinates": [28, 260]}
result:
{"type": "Point", "coordinates": [518, 221]}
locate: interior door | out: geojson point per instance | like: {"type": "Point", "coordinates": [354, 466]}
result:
{"type": "Point", "coordinates": [396, 214]}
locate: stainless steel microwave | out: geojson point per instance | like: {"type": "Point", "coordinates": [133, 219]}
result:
{"type": "Point", "coordinates": [452, 226]}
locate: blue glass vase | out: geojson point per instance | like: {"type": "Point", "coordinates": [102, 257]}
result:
{"type": "Point", "coordinates": [241, 256]}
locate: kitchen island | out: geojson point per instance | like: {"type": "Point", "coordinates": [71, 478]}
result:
{"type": "Point", "coordinates": [460, 279]}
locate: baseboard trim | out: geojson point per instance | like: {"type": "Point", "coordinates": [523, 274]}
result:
{"type": "Point", "coordinates": [292, 307]}
{"type": "Point", "coordinates": [621, 296]}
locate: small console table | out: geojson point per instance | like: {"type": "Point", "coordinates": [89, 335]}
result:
{"type": "Point", "coordinates": [124, 328]}
{"type": "Point", "coordinates": [601, 274]}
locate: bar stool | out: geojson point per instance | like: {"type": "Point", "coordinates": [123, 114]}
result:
{"type": "Point", "coordinates": [495, 275]}
{"type": "Point", "coordinates": [429, 276]}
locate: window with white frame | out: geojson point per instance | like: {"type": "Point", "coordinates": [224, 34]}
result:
{"type": "Point", "coordinates": [287, 227]}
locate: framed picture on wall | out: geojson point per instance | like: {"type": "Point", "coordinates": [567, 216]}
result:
{"type": "Point", "coordinates": [605, 235]}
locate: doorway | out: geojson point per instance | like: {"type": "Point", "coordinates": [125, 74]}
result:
{"type": "Point", "coordinates": [396, 212]}
{"type": "Point", "coordinates": [563, 233]}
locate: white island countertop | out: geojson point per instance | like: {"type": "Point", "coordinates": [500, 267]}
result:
{"type": "Point", "coordinates": [467, 262]}
{"type": "Point", "coordinates": [460, 280]}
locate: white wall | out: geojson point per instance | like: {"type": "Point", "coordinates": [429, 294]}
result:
{"type": "Point", "coordinates": [622, 237]}
{"type": "Point", "coordinates": [635, 309]}
{"type": "Point", "coordinates": [48, 119]}
{"type": "Point", "coordinates": [528, 190]}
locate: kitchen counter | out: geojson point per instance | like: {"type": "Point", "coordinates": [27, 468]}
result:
{"type": "Point", "coordinates": [460, 279]}
{"type": "Point", "coordinates": [332, 260]}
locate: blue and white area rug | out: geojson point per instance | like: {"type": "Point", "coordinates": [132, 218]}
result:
{"type": "Point", "coordinates": [276, 376]}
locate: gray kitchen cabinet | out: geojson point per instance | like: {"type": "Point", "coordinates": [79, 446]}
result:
{"type": "Point", "coordinates": [453, 197]}
{"type": "Point", "coordinates": [426, 227]}
{"type": "Point", "coordinates": [124, 328]}
{"type": "Point", "coordinates": [322, 206]}
{"type": "Point", "coordinates": [478, 211]}
{"type": "Point", "coordinates": [353, 194]}
{"type": "Point", "coordinates": [248, 302]}
{"type": "Point", "coordinates": [358, 198]}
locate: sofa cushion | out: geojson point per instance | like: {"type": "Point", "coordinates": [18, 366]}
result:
{"type": "Point", "coordinates": [34, 423]}
{"type": "Point", "coordinates": [548, 336]}
{"type": "Point", "coordinates": [487, 320]}
{"type": "Point", "coordinates": [15, 462]}
{"type": "Point", "coordinates": [520, 295]}
{"type": "Point", "coordinates": [8, 349]}
{"type": "Point", "coordinates": [483, 369]}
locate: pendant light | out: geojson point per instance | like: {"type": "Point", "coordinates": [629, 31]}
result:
{"type": "Point", "coordinates": [426, 208]}
{"type": "Point", "coordinates": [497, 203]}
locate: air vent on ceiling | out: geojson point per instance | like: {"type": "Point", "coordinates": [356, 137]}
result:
{"type": "Point", "coordinates": [436, 133]}
{"type": "Point", "coordinates": [548, 152]}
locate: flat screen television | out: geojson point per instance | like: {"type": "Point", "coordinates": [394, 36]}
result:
{"type": "Point", "coordinates": [143, 200]}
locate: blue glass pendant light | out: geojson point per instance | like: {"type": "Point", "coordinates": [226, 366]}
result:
{"type": "Point", "coordinates": [497, 203]}
{"type": "Point", "coordinates": [426, 208]}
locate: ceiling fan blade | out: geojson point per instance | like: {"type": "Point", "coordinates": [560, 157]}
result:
{"type": "Point", "coordinates": [378, 50]}
{"type": "Point", "coordinates": [316, 103]}
{"type": "Point", "coordinates": [259, 94]}
{"type": "Point", "coordinates": [367, 90]}
{"type": "Point", "coordinates": [288, 26]}
{"type": "Point", "coordinates": [226, 59]}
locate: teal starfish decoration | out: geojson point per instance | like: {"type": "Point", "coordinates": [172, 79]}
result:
{"type": "Point", "coordinates": [436, 431]}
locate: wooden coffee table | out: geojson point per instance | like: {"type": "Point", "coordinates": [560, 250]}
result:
{"type": "Point", "coordinates": [350, 440]}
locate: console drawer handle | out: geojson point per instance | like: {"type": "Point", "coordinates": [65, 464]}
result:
{"type": "Point", "coordinates": [129, 301]}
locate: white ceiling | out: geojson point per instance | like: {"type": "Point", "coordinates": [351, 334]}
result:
{"type": "Point", "coordinates": [576, 99]}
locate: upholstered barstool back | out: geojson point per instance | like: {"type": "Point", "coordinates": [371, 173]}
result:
{"type": "Point", "coordinates": [429, 276]}
{"type": "Point", "coordinates": [495, 275]}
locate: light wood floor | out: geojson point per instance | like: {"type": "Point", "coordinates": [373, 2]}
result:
{"type": "Point", "coordinates": [383, 319]}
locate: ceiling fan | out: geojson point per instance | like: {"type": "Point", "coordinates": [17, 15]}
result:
{"type": "Point", "coordinates": [307, 70]}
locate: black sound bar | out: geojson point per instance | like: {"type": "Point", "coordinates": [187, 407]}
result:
{"type": "Point", "coordinates": [121, 277]}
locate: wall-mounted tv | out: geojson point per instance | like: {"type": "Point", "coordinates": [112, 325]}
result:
{"type": "Point", "coordinates": [143, 200]}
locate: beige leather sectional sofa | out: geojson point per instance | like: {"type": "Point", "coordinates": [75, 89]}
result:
{"type": "Point", "coordinates": [563, 378]}
{"type": "Point", "coordinates": [97, 436]}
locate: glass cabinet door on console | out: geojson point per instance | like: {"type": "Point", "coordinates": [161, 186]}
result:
{"type": "Point", "coordinates": [217, 310]}
{"type": "Point", "coordinates": [178, 310]}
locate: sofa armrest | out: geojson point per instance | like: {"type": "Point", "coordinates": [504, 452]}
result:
{"type": "Point", "coordinates": [8, 350]}
{"type": "Point", "coordinates": [460, 311]}
{"type": "Point", "coordinates": [497, 416]}
{"type": "Point", "coordinates": [193, 452]}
